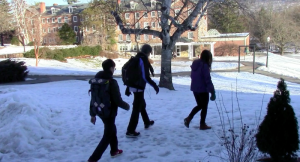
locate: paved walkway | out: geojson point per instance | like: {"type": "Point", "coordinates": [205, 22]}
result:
{"type": "Point", "coordinates": [248, 67]}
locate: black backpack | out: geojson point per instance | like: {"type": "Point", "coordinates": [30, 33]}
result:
{"type": "Point", "coordinates": [131, 72]}
{"type": "Point", "coordinates": [100, 97]}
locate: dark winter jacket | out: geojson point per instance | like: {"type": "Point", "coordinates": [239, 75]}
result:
{"type": "Point", "coordinates": [116, 99]}
{"type": "Point", "coordinates": [200, 75]}
{"type": "Point", "coordinates": [145, 74]}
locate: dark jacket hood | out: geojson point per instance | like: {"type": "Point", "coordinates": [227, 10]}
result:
{"type": "Point", "coordinates": [141, 54]}
{"type": "Point", "coordinates": [104, 75]}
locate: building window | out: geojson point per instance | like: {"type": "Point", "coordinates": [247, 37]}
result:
{"type": "Point", "coordinates": [66, 19]}
{"type": "Point", "coordinates": [152, 13]}
{"type": "Point", "coordinates": [53, 19]}
{"type": "Point", "coordinates": [59, 20]}
{"type": "Point", "coordinates": [137, 25]}
{"type": "Point", "coordinates": [70, 9]}
{"type": "Point", "coordinates": [50, 40]}
{"type": "Point", "coordinates": [190, 35]}
{"type": "Point", "coordinates": [146, 37]}
{"type": "Point", "coordinates": [153, 24]}
{"type": "Point", "coordinates": [121, 37]}
{"type": "Point", "coordinates": [189, 12]}
{"type": "Point", "coordinates": [128, 25]}
{"type": "Point", "coordinates": [134, 47]}
{"type": "Point", "coordinates": [48, 20]}
{"type": "Point", "coordinates": [81, 18]}
{"type": "Point", "coordinates": [74, 18]}
{"type": "Point", "coordinates": [87, 29]}
{"type": "Point", "coordinates": [49, 30]}
{"type": "Point", "coordinates": [153, 3]}
{"type": "Point", "coordinates": [76, 28]}
{"type": "Point", "coordinates": [127, 15]}
{"type": "Point", "coordinates": [146, 24]}
{"type": "Point", "coordinates": [137, 15]}
{"type": "Point", "coordinates": [44, 30]}
{"type": "Point", "coordinates": [45, 40]}
{"type": "Point", "coordinates": [54, 29]}
{"type": "Point", "coordinates": [158, 25]}
{"type": "Point", "coordinates": [159, 13]}
{"type": "Point", "coordinates": [32, 22]}
{"type": "Point", "coordinates": [59, 27]}
{"type": "Point", "coordinates": [53, 10]}
{"type": "Point", "coordinates": [153, 36]}
{"type": "Point", "coordinates": [77, 40]}
{"type": "Point", "coordinates": [177, 12]}
{"type": "Point", "coordinates": [145, 14]}
{"type": "Point", "coordinates": [43, 20]}
{"type": "Point", "coordinates": [94, 27]}
{"type": "Point", "coordinates": [32, 31]}
{"type": "Point", "coordinates": [128, 37]}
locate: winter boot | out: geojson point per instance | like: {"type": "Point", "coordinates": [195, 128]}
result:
{"type": "Point", "coordinates": [116, 153]}
{"type": "Point", "coordinates": [204, 127]}
{"type": "Point", "coordinates": [132, 135]}
{"type": "Point", "coordinates": [150, 124]}
{"type": "Point", "coordinates": [187, 122]}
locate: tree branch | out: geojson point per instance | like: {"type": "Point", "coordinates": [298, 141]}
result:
{"type": "Point", "coordinates": [134, 31]}
{"type": "Point", "coordinates": [187, 23]}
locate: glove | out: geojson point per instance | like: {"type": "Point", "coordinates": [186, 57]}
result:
{"type": "Point", "coordinates": [127, 92]}
{"type": "Point", "coordinates": [93, 119]}
{"type": "Point", "coordinates": [213, 96]}
{"type": "Point", "coordinates": [156, 89]}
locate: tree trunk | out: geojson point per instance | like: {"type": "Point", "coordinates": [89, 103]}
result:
{"type": "Point", "coordinates": [2, 40]}
{"type": "Point", "coordinates": [166, 73]}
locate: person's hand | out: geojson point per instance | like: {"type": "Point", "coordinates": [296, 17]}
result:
{"type": "Point", "coordinates": [156, 89]}
{"type": "Point", "coordinates": [213, 96]}
{"type": "Point", "coordinates": [93, 119]}
{"type": "Point", "coordinates": [127, 92]}
{"type": "Point", "coordinates": [127, 107]}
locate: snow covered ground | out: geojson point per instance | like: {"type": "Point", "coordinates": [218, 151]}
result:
{"type": "Point", "coordinates": [50, 121]}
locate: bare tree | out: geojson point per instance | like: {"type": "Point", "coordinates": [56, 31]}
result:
{"type": "Point", "coordinates": [35, 34]}
{"type": "Point", "coordinates": [19, 8]}
{"type": "Point", "coordinates": [173, 25]}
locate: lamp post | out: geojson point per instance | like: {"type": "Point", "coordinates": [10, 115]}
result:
{"type": "Point", "coordinates": [268, 40]}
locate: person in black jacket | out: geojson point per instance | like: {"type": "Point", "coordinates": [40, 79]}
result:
{"type": "Point", "coordinates": [110, 130]}
{"type": "Point", "coordinates": [139, 104]}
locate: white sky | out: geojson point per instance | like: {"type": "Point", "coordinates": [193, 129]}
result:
{"type": "Point", "coordinates": [50, 121]}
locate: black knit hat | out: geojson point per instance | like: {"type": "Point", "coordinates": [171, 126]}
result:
{"type": "Point", "coordinates": [146, 49]}
{"type": "Point", "coordinates": [107, 64]}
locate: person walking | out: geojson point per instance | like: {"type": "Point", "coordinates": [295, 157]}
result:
{"type": "Point", "coordinates": [110, 130]}
{"type": "Point", "coordinates": [201, 86]}
{"type": "Point", "coordinates": [139, 103]}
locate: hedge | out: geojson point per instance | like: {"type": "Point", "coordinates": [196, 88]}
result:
{"type": "Point", "coordinates": [61, 54]}
{"type": "Point", "coordinates": [12, 71]}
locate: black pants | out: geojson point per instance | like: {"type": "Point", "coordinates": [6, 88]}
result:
{"type": "Point", "coordinates": [202, 103]}
{"type": "Point", "coordinates": [109, 138]}
{"type": "Point", "coordinates": [139, 105]}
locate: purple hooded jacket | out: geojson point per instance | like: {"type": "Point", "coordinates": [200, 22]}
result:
{"type": "Point", "coordinates": [200, 75]}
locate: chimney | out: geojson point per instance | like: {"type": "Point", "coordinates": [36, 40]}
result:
{"type": "Point", "coordinates": [55, 4]}
{"type": "Point", "coordinates": [42, 7]}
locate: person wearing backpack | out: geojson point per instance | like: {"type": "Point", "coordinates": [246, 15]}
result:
{"type": "Point", "coordinates": [110, 130]}
{"type": "Point", "coordinates": [141, 69]}
{"type": "Point", "coordinates": [201, 86]}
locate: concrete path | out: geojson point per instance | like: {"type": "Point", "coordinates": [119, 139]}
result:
{"type": "Point", "coordinates": [248, 67]}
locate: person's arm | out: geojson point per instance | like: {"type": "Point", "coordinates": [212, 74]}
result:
{"type": "Point", "coordinates": [207, 78]}
{"type": "Point", "coordinates": [116, 95]}
{"type": "Point", "coordinates": [145, 73]}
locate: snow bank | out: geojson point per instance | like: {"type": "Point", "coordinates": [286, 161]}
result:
{"type": "Point", "coordinates": [25, 121]}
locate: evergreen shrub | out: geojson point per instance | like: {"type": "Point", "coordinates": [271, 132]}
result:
{"type": "Point", "coordinates": [12, 71]}
{"type": "Point", "coordinates": [278, 132]}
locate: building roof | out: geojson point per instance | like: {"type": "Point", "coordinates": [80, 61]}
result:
{"type": "Point", "coordinates": [213, 33]}
{"type": "Point", "coordinates": [64, 9]}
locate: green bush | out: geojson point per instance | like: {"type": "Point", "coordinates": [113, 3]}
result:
{"type": "Point", "coordinates": [14, 41]}
{"type": "Point", "coordinates": [61, 54]}
{"type": "Point", "coordinates": [12, 71]}
{"type": "Point", "coordinates": [278, 133]}
{"type": "Point", "coordinates": [30, 44]}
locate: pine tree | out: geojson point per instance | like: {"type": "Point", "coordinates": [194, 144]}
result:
{"type": "Point", "coordinates": [278, 132]}
{"type": "Point", "coordinates": [66, 34]}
